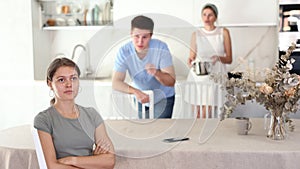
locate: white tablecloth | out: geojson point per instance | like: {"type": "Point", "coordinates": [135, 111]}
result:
{"type": "Point", "coordinates": [17, 148]}
{"type": "Point", "coordinates": [139, 144]}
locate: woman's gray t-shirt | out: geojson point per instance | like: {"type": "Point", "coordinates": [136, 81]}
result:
{"type": "Point", "coordinates": [71, 137]}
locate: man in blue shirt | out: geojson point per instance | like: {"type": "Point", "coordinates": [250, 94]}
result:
{"type": "Point", "coordinates": [150, 66]}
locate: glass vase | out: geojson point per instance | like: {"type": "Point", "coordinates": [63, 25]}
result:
{"type": "Point", "coordinates": [276, 128]}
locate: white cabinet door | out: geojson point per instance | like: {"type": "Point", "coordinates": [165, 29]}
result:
{"type": "Point", "coordinates": [231, 12]}
{"type": "Point", "coordinates": [182, 9]}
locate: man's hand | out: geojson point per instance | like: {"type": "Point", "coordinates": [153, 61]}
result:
{"type": "Point", "coordinates": [142, 97]}
{"type": "Point", "coordinates": [151, 69]}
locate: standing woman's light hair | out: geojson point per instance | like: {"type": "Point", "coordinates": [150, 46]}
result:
{"type": "Point", "coordinates": [56, 64]}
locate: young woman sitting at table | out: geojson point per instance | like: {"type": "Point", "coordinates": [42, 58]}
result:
{"type": "Point", "coordinates": [67, 131]}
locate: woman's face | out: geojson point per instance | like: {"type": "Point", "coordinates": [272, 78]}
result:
{"type": "Point", "coordinates": [140, 38]}
{"type": "Point", "coordinates": [208, 17]}
{"type": "Point", "coordinates": [65, 83]}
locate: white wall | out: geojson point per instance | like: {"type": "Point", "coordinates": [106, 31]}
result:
{"type": "Point", "coordinates": [237, 12]}
{"type": "Point", "coordinates": [16, 40]}
{"type": "Point", "coordinates": [16, 66]}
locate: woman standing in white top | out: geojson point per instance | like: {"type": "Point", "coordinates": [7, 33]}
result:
{"type": "Point", "coordinates": [210, 44]}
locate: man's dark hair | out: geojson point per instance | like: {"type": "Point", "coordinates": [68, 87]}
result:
{"type": "Point", "coordinates": [142, 22]}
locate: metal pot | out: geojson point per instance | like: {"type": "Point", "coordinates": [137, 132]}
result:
{"type": "Point", "coordinates": [202, 68]}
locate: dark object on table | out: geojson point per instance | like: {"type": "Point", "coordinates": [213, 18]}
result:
{"type": "Point", "coordinates": [175, 139]}
{"type": "Point", "coordinates": [236, 75]}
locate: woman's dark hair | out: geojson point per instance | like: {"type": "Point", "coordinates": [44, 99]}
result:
{"type": "Point", "coordinates": [57, 63]}
{"type": "Point", "coordinates": [212, 7]}
{"type": "Point", "coordinates": [142, 22]}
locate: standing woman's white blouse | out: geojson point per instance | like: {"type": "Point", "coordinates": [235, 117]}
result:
{"type": "Point", "coordinates": [208, 43]}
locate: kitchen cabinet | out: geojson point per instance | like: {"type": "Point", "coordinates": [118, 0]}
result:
{"type": "Point", "coordinates": [181, 11]}
{"type": "Point", "coordinates": [75, 14]}
{"type": "Point", "coordinates": [289, 30]}
{"type": "Point", "coordinates": [289, 14]}
{"type": "Point", "coordinates": [232, 13]}
{"type": "Point", "coordinates": [289, 25]}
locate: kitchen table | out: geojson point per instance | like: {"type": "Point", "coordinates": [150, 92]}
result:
{"type": "Point", "coordinates": [139, 144]}
{"type": "Point", "coordinates": [17, 148]}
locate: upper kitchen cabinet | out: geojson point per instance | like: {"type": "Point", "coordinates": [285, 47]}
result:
{"type": "Point", "coordinates": [231, 12]}
{"type": "Point", "coordinates": [181, 12]}
{"type": "Point", "coordinates": [66, 14]}
{"type": "Point", "coordinates": [289, 13]}
{"type": "Point", "coordinates": [289, 27]}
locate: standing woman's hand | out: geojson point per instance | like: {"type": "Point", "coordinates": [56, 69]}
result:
{"type": "Point", "coordinates": [215, 59]}
{"type": "Point", "coordinates": [190, 61]}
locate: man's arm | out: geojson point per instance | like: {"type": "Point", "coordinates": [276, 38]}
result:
{"type": "Point", "coordinates": [119, 84]}
{"type": "Point", "coordinates": [165, 76]}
